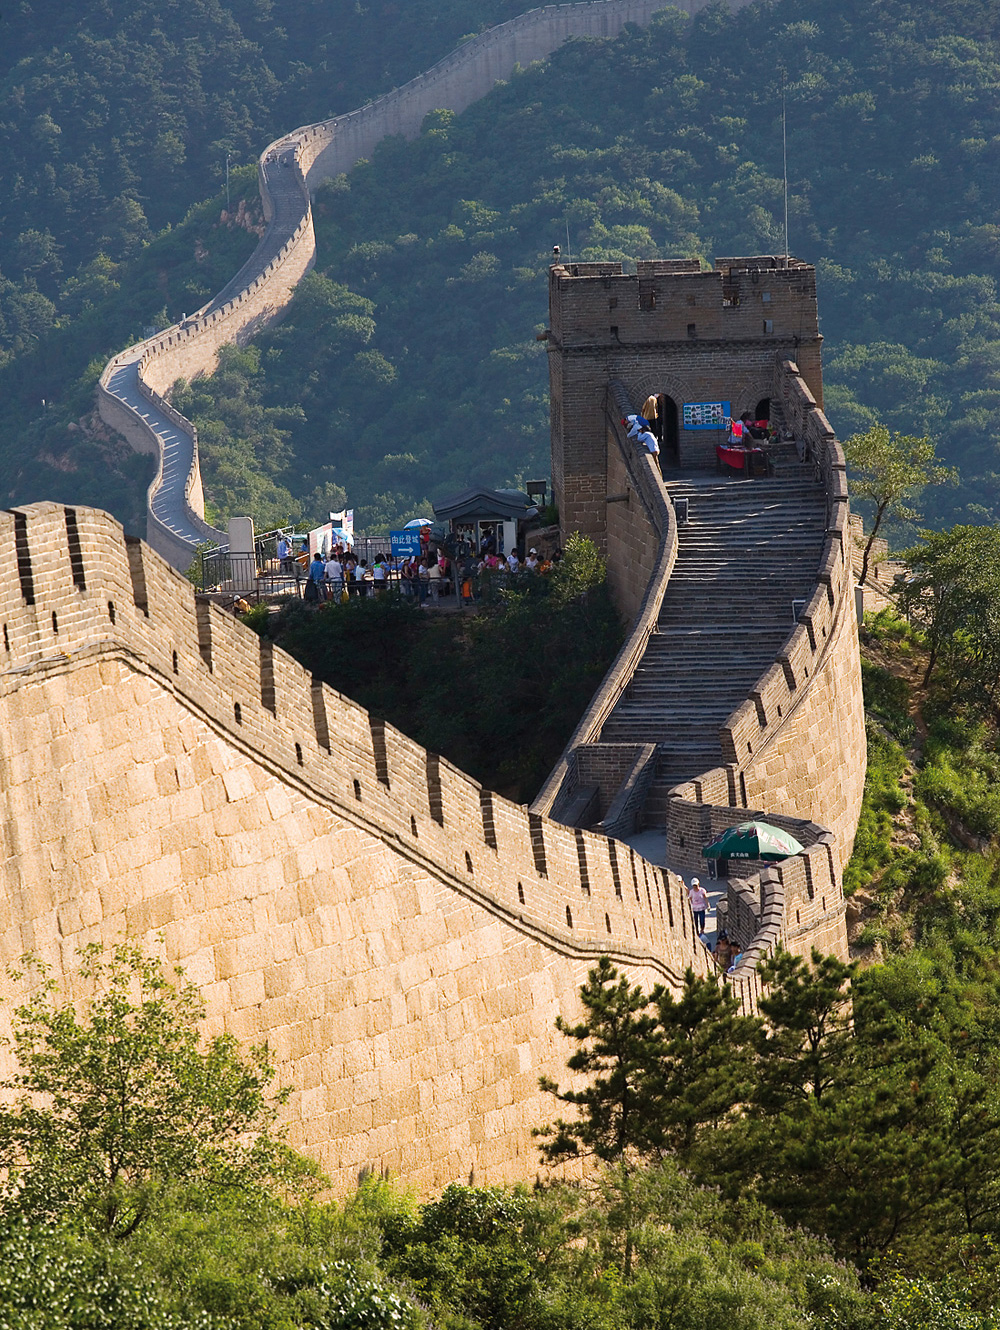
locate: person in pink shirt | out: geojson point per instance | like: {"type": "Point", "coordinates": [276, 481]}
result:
{"type": "Point", "coordinates": [698, 897]}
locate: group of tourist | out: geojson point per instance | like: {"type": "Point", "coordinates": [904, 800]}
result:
{"type": "Point", "coordinates": [747, 433]}
{"type": "Point", "coordinates": [424, 578]}
{"type": "Point", "coordinates": [333, 574]}
{"type": "Point", "coordinates": [640, 429]}
{"type": "Point", "coordinates": [726, 955]}
{"type": "Point", "coordinates": [341, 575]}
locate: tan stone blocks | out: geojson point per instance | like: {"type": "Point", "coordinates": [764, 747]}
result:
{"type": "Point", "coordinates": [239, 784]}
{"type": "Point", "coordinates": [423, 1018]}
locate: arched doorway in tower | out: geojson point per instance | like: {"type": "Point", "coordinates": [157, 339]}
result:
{"type": "Point", "coordinates": [668, 430]}
{"type": "Point", "coordinates": [661, 411]}
{"type": "Point", "coordinates": [762, 411]}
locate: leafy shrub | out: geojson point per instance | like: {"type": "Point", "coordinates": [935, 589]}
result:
{"type": "Point", "coordinates": [961, 774]}
{"type": "Point", "coordinates": [883, 796]}
{"type": "Point", "coordinates": [887, 697]}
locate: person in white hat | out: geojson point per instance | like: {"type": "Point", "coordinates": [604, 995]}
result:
{"type": "Point", "coordinates": [698, 897]}
{"type": "Point", "coordinates": [532, 560]}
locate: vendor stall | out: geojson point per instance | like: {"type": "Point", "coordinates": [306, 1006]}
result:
{"type": "Point", "coordinates": [485, 521]}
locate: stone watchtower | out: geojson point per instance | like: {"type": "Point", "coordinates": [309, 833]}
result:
{"type": "Point", "coordinates": [687, 337]}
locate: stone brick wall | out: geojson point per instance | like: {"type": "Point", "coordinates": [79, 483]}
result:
{"type": "Point", "coordinates": [797, 746]}
{"type": "Point", "coordinates": [799, 739]}
{"type": "Point", "coordinates": [641, 542]}
{"type": "Point", "coordinates": [402, 938]}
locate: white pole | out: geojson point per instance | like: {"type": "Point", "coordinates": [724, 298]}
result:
{"type": "Point", "coordinates": [784, 157]}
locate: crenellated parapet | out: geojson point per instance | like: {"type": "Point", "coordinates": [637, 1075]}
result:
{"type": "Point", "coordinates": [402, 937]}
{"type": "Point", "coordinates": [75, 585]}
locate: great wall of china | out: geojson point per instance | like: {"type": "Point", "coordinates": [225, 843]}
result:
{"type": "Point", "coordinates": [401, 937]}
{"type": "Point", "coordinates": [131, 394]}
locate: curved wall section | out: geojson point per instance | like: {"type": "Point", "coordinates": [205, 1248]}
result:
{"type": "Point", "coordinates": [130, 392]}
{"type": "Point", "coordinates": [794, 752]}
{"type": "Point", "coordinates": [403, 938]}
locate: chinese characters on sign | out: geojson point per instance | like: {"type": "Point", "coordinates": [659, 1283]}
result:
{"type": "Point", "coordinates": [405, 543]}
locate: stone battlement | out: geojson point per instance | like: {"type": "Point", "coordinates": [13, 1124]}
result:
{"type": "Point", "coordinates": [674, 300]}
{"type": "Point", "coordinates": [85, 588]}
{"type": "Point", "coordinates": [395, 931]}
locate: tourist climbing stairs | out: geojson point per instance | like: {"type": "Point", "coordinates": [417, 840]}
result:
{"type": "Point", "coordinates": [747, 552]}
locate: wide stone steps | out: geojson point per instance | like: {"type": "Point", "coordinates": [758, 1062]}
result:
{"type": "Point", "coordinates": [747, 550]}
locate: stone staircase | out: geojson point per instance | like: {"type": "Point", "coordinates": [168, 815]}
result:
{"type": "Point", "coordinates": [748, 550]}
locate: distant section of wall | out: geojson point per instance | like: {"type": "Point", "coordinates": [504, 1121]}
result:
{"type": "Point", "coordinates": [262, 289]}
{"type": "Point", "coordinates": [463, 77]}
{"type": "Point", "coordinates": [403, 938]}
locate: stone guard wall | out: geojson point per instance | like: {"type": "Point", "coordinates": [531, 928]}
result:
{"type": "Point", "coordinates": [642, 550]}
{"type": "Point", "coordinates": [796, 748]}
{"type": "Point", "coordinates": [402, 938]}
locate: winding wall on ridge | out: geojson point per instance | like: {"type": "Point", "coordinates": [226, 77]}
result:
{"type": "Point", "coordinates": [403, 938]}
{"type": "Point", "coordinates": [132, 387]}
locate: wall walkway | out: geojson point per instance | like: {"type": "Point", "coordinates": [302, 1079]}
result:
{"type": "Point", "coordinates": [132, 386]}
{"type": "Point", "coordinates": [792, 750]}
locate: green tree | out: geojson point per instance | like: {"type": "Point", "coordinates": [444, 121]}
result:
{"type": "Point", "coordinates": [52, 1279]}
{"type": "Point", "coordinates": [116, 1107]}
{"type": "Point", "coordinates": [891, 469]}
{"type": "Point", "coordinates": [617, 1045]}
{"type": "Point", "coordinates": [807, 1038]}
{"type": "Point", "coordinates": [862, 1124]}
{"type": "Point", "coordinates": [474, 1250]}
{"type": "Point", "coordinates": [704, 1064]}
{"type": "Point", "coordinates": [954, 595]}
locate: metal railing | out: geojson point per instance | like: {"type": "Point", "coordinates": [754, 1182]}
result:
{"type": "Point", "coordinates": [262, 574]}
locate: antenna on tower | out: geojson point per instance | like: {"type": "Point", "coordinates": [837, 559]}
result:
{"type": "Point", "coordinates": [784, 158]}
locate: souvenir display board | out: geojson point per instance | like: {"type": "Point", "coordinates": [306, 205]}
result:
{"type": "Point", "coordinates": [707, 415]}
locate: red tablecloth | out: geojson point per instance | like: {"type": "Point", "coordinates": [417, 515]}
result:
{"type": "Point", "coordinates": [737, 457]}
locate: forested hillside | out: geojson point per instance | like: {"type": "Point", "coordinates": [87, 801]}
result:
{"type": "Point", "coordinates": [408, 365]}
{"type": "Point", "coordinates": [667, 141]}
{"type": "Point", "coordinates": [117, 121]}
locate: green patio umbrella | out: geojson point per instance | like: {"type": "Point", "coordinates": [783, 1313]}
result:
{"type": "Point", "coordinates": [752, 840]}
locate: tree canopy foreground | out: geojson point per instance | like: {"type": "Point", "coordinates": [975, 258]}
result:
{"type": "Point", "coordinates": [116, 1107]}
